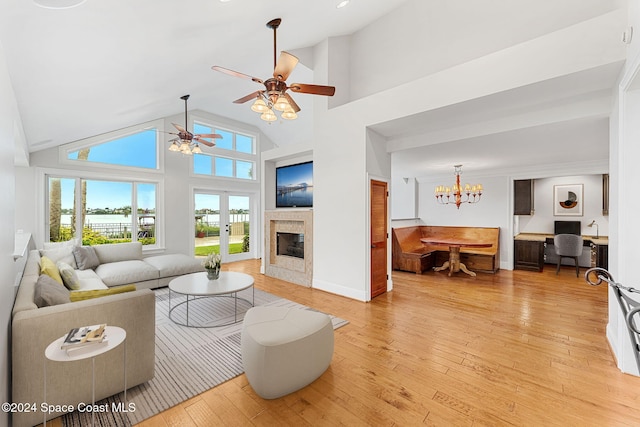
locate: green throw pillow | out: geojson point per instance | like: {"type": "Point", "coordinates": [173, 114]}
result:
{"type": "Point", "coordinates": [97, 293]}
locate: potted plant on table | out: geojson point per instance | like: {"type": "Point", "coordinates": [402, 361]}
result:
{"type": "Point", "coordinates": [212, 263]}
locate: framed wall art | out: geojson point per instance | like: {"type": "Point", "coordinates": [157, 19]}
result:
{"type": "Point", "coordinates": [568, 200]}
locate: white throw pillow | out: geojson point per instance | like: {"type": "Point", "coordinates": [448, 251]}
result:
{"type": "Point", "coordinates": [69, 276]}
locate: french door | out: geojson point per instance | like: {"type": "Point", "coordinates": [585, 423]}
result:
{"type": "Point", "coordinates": [223, 223]}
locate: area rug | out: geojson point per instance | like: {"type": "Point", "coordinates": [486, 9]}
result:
{"type": "Point", "coordinates": [189, 361]}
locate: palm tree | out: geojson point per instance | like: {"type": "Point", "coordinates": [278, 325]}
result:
{"type": "Point", "coordinates": [55, 211]}
{"type": "Point", "coordinates": [82, 155]}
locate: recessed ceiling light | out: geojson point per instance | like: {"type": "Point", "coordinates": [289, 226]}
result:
{"type": "Point", "coordinates": [224, 1]}
{"type": "Point", "coordinates": [58, 4]}
{"type": "Point", "coordinates": [342, 4]}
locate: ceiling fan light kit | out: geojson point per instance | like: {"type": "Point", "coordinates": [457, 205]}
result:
{"type": "Point", "coordinates": [274, 96]}
{"type": "Point", "coordinates": [187, 142]}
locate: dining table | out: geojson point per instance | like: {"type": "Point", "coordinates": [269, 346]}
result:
{"type": "Point", "coordinates": [453, 264]}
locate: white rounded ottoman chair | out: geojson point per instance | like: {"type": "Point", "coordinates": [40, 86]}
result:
{"type": "Point", "coordinates": [285, 349]}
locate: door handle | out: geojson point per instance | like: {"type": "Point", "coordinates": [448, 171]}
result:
{"type": "Point", "coordinates": [373, 246]}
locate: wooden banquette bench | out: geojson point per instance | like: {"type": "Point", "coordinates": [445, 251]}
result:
{"type": "Point", "coordinates": [410, 254]}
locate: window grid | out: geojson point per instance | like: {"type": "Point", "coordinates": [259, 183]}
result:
{"type": "Point", "coordinates": [232, 157]}
{"type": "Point", "coordinates": [142, 212]}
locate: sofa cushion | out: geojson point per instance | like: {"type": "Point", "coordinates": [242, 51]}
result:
{"type": "Point", "coordinates": [174, 264]}
{"type": "Point", "coordinates": [97, 293]}
{"type": "Point", "coordinates": [118, 252]}
{"type": "Point", "coordinates": [48, 267]}
{"type": "Point", "coordinates": [86, 257]}
{"type": "Point", "coordinates": [89, 280]}
{"type": "Point", "coordinates": [62, 253]}
{"type": "Point", "coordinates": [126, 272]}
{"type": "Point", "coordinates": [59, 245]}
{"type": "Point", "coordinates": [49, 292]}
{"type": "Point", "coordinates": [69, 276]}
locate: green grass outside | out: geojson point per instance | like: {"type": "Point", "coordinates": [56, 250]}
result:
{"type": "Point", "coordinates": [234, 248]}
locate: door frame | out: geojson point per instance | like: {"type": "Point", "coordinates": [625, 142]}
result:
{"type": "Point", "coordinates": [368, 234]}
{"type": "Point", "coordinates": [224, 195]}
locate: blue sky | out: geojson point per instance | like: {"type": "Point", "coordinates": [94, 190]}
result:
{"type": "Point", "coordinates": [109, 194]}
{"type": "Point", "coordinates": [137, 150]}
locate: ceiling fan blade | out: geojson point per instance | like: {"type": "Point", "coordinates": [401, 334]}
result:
{"type": "Point", "coordinates": [249, 97]}
{"type": "Point", "coordinates": [180, 128]}
{"type": "Point", "coordinates": [313, 89]}
{"type": "Point", "coordinates": [236, 74]}
{"type": "Point", "coordinates": [207, 136]}
{"type": "Point", "coordinates": [284, 67]}
{"type": "Point", "coordinates": [202, 141]}
{"type": "Point", "coordinates": [292, 102]}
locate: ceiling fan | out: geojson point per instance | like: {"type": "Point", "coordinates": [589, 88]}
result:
{"type": "Point", "coordinates": [187, 142]}
{"type": "Point", "coordinates": [274, 95]}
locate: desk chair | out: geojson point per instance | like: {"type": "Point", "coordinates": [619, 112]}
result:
{"type": "Point", "coordinates": [568, 246]}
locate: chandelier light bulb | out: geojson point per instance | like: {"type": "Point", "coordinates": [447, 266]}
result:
{"type": "Point", "coordinates": [281, 104]}
{"type": "Point", "coordinates": [289, 114]}
{"type": "Point", "coordinates": [268, 116]}
{"type": "Point", "coordinates": [259, 106]}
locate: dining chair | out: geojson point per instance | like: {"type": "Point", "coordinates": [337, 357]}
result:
{"type": "Point", "coordinates": [568, 246]}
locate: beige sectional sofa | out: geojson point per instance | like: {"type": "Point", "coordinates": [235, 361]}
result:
{"type": "Point", "coordinates": [33, 328]}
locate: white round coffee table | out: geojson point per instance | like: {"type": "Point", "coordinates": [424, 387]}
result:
{"type": "Point", "coordinates": [196, 287]}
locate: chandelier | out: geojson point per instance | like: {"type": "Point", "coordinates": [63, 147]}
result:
{"type": "Point", "coordinates": [456, 194]}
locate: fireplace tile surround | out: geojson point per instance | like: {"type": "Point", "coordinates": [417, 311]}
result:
{"type": "Point", "coordinates": [291, 269]}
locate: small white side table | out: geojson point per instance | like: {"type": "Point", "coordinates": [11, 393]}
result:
{"type": "Point", "coordinates": [115, 336]}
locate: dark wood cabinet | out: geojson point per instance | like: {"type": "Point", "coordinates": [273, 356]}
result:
{"type": "Point", "coordinates": [528, 255]}
{"type": "Point", "coordinates": [600, 256]}
{"type": "Point", "coordinates": [523, 197]}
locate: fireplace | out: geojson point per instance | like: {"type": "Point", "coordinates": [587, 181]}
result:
{"type": "Point", "coordinates": [290, 244]}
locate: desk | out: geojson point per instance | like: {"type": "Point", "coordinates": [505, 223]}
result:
{"type": "Point", "coordinates": [115, 337]}
{"type": "Point", "coordinates": [454, 265]}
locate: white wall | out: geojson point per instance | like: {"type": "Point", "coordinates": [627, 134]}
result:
{"type": "Point", "coordinates": [625, 231]}
{"type": "Point", "coordinates": [10, 129]}
{"type": "Point", "coordinates": [543, 219]}
{"type": "Point", "coordinates": [421, 38]}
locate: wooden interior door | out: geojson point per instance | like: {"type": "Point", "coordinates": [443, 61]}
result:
{"type": "Point", "coordinates": [379, 237]}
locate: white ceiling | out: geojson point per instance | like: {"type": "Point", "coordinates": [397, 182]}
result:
{"type": "Point", "coordinates": [110, 64]}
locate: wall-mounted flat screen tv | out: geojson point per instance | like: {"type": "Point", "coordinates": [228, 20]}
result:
{"type": "Point", "coordinates": [567, 227]}
{"type": "Point", "coordinates": [294, 186]}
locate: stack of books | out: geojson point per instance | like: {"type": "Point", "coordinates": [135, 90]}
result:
{"type": "Point", "coordinates": [86, 338]}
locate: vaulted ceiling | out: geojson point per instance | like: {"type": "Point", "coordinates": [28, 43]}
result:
{"type": "Point", "coordinates": [109, 64]}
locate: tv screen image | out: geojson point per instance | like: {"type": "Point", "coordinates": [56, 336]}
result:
{"type": "Point", "coordinates": [294, 186]}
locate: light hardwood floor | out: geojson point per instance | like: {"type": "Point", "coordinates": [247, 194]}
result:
{"type": "Point", "coordinates": [514, 348]}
